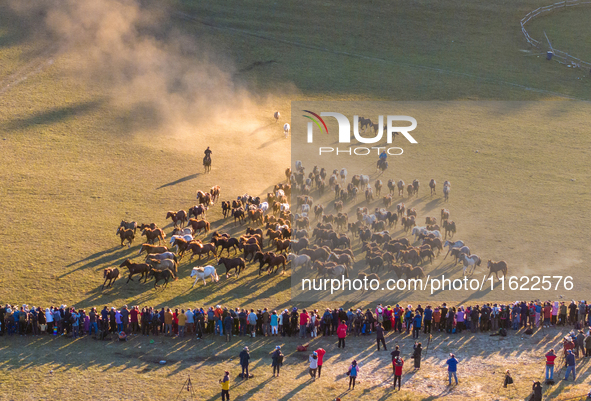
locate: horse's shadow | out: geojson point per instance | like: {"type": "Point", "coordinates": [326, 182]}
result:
{"type": "Point", "coordinates": [187, 178]}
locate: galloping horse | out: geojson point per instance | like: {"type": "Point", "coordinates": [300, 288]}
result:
{"type": "Point", "coordinates": [469, 261]}
{"type": "Point", "coordinates": [136, 268]}
{"type": "Point", "coordinates": [496, 267]}
{"type": "Point", "coordinates": [158, 275]}
{"type": "Point", "coordinates": [203, 272]}
{"type": "Point", "coordinates": [125, 235]}
{"type": "Point", "coordinates": [111, 275]}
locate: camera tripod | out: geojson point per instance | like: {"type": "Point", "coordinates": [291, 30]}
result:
{"type": "Point", "coordinates": [187, 386]}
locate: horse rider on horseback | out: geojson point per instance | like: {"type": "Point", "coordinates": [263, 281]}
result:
{"type": "Point", "coordinates": [208, 153]}
{"type": "Point", "coordinates": [382, 163]}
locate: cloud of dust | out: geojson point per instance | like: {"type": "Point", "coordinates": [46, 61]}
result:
{"type": "Point", "coordinates": [157, 78]}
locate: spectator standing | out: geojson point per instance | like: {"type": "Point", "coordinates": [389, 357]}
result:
{"type": "Point", "coordinates": [380, 336]}
{"type": "Point", "coordinates": [452, 368]}
{"type": "Point", "coordinates": [244, 361]}
{"type": "Point", "coordinates": [342, 334]}
{"type": "Point", "coordinates": [320, 352]}
{"type": "Point", "coordinates": [277, 360]}
{"type": "Point", "coordinates": [182, 318]}
{"type": "Point", "coordinates": [398, 364]}
{"type": "Point", "coordinates": [225, 382]}
{"type": "Point", "coordinates": [570, 365]}
{"type": "Point", "coordinates": [353, 373]}
{"type": "Point", "coordinates": [416, 325]}
{"type": "Point", "coordinates": [416, 355]}
{"type": "Point", "coordinates": [313, 360]}
{"type": "Point", "coordinates": [550, 357]}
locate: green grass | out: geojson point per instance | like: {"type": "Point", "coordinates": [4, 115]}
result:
{"type": "Point", "coordinates": [78, 156]}
{"type": "Point", "coordinates": [566, 29]}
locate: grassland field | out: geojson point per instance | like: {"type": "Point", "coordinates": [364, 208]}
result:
{"type": "Point", "coordinates": [80, 153]}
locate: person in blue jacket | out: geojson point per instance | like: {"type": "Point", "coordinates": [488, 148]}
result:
{"type": "Point", "coordinates": [427, 318]}
{"type": "Point", "coordinates": [452, 367]}
{"type": "Point", "coordinates": [416, 325]}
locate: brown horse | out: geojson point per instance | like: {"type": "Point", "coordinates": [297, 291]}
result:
{"type": "Point", "coordinates": [177, 218]}
{"type": "Point", "coordinates": [435, 243]}
{"type": "Point", "coordinates": [200, 210]}
{"type": "Point", "coordinates": [153, 234]}
{"type": "Point", "coordinates": [131, 225]}
{"type": "Point", "coordinates": [288, 174]}
{"type": "Point", "coordinates": [199, 225]}
{"type": "Point", "coordinates": [496, 267]}
{"type": "Point", "coordinates": [201, 249]}
{"type": "Point", "coordinates": [204, 198]}
{"type": "Point", "coordinates": [215, 193]}
{"type": "Point", "coordinates": [412, 272]}
{"type": "Point", "coordinates": [159, 275]}
{"type": "Point", "coordinates": [432, 185]}
{"type": "Point", "coordinates": [227, 244]}
{"type": "Point", "coordinates": [449, 227]}
{"type": "Point", "coordinates": [169, 264]}
{"type": "Point", "coordinates": [282, 245]}
{"type": "Point", "coordinates": [136, 268]}
{"type": "Point", "coordinates": [274, 261]}
{"type": "Point", "coordinates": [149, 248]}
{"type": "Point", "coordinates": [236, 263]}
{"type": "Point", "coordinates": [110, 274]}
{"type": "Point", "coordinates": [444, 214]}
{"type": "Point", "coordinates": [125, 234]}
{"type": "Point", "coordinates": [430, 220]}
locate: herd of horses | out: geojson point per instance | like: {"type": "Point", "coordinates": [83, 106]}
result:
{"type": "Point", "coordinates": [276, 239]}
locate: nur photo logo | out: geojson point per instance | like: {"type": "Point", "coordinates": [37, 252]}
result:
{"type": "Point", "coordinates": [361, 125]}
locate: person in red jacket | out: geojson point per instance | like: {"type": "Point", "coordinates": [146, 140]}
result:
{"type": "Point", "coordinates": [550, 357]}
{"type": "Point", "coordinates": [398, 364]}
{"type": "Point", "coordinates": [342, 333]}
{"type": "Point", "coordinates": [320, 352]}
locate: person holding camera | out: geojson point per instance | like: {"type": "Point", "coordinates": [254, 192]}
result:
{"type": "Point", "coordinates": [452, 368]}
{"type": "Point", "coordinates": [225, 382]}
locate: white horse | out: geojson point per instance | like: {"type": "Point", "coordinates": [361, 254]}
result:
{"type": "Point", "coordinates": [286, 129]}
{"type": "Point", "coordinates": [264, 206]}
{"type": "Point", "coordinates": [343, 174]}
{"type": "Point", "coordinates": [279, 193]}
{"type": "Point", "coordinates": [446, 191]}
{"type": "Point", "coordinates": [186, 237]}
{"type": "Point", "coordinates": [369, 219]}
{"type": "Point", "coordinates": [436, 233]}
{"type": "Point", "coordinates": [298, 165]}
{"type": "Point", "coordinates": [285, 207]}
{"type": "Point", "coordinates": [161, 256]}
{"type": "Point", "coordinates": [305, 208]}
{"type": "Point", "coordinates": [203, 272]}
{"type": "Point", "coordinates": [363, 181]}
{"type": "Point", "coordinates": [299, 260]}
{"type": "Point", "coordinates": [450, 245]}
{"type": "Point", "coordinates": [470, 262]}
{"type": "Point", "coordinates": [416, 231]}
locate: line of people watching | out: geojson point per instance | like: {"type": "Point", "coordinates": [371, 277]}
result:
{"type": "Point", "coordinates": [338, 321]}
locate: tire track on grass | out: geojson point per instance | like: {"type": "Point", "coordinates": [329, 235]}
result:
{"type": "Point", "coordinates": [33, 67]}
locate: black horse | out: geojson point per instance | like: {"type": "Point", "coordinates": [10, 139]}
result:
{"type": "Point", "coordinates": [382, 165]}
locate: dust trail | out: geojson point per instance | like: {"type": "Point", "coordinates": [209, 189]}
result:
{"type": "Point", "coordinates": [154, 75]}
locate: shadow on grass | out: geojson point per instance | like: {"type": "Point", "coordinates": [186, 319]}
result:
{"type": "Point", "coordinates": [52, 116]}
{"type": "Point", "coordinates": [187, 178]}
